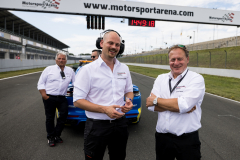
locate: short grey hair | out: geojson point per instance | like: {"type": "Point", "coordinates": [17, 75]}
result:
{"type": "Point", "coordinates": [182, 47]}
{"type": "Point", "coordinates": [61, 54]}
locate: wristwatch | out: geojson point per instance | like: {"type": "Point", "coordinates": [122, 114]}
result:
{"type": "Point", "coordinates": [155, 101]}
{"type": "Point", "coordinates": [129, 99]}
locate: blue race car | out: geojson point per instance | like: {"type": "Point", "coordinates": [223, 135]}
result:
{"type": "Point", "coordinates": [77, 115]}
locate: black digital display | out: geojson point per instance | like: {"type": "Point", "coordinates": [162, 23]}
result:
{"type": "Point", "coordinates": [141, 22]}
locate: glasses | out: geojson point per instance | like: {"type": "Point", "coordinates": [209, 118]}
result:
{"type": "Point", "coordinates": [179, 45]}
{"type": "Point", "coordinates": [93, 56]}
{"type": "Point", "coordinates": [62, 74]}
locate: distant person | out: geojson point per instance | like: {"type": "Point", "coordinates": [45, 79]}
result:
{"type": "Point", "coordinates": [52, 85]}
{"type": "Point", "coordinates": [95, 54]}
{"type": "Point", "coordinates": [101, 94]}
{"type": "Point", "coordinates": [177, 97]}
{"type": "Point", "coordinates": [17, 57]}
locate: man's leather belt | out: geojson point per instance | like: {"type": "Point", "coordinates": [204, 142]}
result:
{"type": "Point", "coordinates": [60, 96]}
{"type": "Point", "coordinates": [107, 121]}
{"type": "Point", "coordinates": [183, 135]}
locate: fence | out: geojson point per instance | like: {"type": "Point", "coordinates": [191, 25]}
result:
{"type": "Point", "coordinates": [211, 59]}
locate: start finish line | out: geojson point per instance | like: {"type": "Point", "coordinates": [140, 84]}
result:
{"type": "Point", "coordinates": [127, 9]}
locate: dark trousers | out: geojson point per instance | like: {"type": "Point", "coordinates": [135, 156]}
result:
{"type": "Point", "coordinates": [50, 106]}
{"type": "Point", "coordinates": [184, 147]}
{"type": "Point", "coordinates": [99, 134]}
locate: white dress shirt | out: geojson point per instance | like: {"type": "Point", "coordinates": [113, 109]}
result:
{"type": "Point", "coordinates": [189, 92]}
{"type": "Point", "coordinates": [97, 84]}
{"type": "Point", "coordinates": [52, 81]}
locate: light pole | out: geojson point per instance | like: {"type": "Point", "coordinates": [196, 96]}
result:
{"type": "Point", "coordinates": [151, 47]}
{"type": "Point", "coordinates": [145, 44]}
{"type": "Point", "coordinates": [213, 31]}
{"type": "Point", "coordinates": [165, 43]}
{"type": "Point", "coordinates": [189, 38]}
{"type": "Point", "coordinates": [162, 38]}
{"type": "Point", "coordinates": [193, 36]}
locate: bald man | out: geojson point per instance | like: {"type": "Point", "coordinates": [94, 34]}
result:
{"type": "Point", "coordinates": [104, 103]}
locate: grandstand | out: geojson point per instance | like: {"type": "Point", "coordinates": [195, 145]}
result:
{"type": "Point", "coordinates": [218, 43]}
{"type": "Point", "coordinates": [21, 40]}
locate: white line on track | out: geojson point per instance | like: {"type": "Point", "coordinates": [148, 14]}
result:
{"type": "Point", "coordinates": [20, 75]}
{"type": "Point", "coordinates": [205, 92]}
{"type": "Point", "coordinates": [228, 116]}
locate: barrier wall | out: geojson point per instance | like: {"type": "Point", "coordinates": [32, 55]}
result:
{"type": "Point", "coordinates": [17, 64]}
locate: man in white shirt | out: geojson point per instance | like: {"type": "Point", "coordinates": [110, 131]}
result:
{"type": "Point", "coordinates": [101, 93]}
{"type": "Point", "coordinates": [52, 85]}
{"type": "Point", "coordinates": [177, 97]}
{"type": "Point", "coordinates": [95, 54]}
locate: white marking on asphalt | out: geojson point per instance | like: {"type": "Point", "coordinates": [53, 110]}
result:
{"type": "Point", "coordinates": [205, 92]}
{"type": "Point", "coordinates": [19, 75]}
{"type": "Point", "coordinates": [223, 97]}
{"type": "Point", "coordinates": [228, 116]}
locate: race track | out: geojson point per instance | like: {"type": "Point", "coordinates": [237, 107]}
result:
{"type": "Point", "coordinates": [23, 135]}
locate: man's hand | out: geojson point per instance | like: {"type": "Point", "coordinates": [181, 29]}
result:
{"type": "Point", "coordinates": [44, 94]}
{"type": "Point", "coordinates": [127, 107]}
{"type": "Point", "coordinates": [45, 97]}
{"type": "Point", "coordinates": [149, 100]}
{"type": "Point", "coordinates": [194, 108]}
{"type": "Point", "coordinates": [112, 112]}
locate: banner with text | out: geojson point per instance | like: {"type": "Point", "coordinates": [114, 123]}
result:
{"type": "Point", "coordinates": [128, 9]}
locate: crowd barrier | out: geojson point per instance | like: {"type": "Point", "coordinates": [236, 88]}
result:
{"type": "Point", "coordinates": [21, 64]}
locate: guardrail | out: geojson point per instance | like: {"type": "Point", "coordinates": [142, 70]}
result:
{"type": "Point", "coordinates": [18, 64]}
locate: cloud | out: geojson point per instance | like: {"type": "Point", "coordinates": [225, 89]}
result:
{"type": "Point", "coordinates": [70, 19]}
{"type": "Point", "coordinates": [59, 19]}
{"type": "Point", "coordinates": [80, 43]}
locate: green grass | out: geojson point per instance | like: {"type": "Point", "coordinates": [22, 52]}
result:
{"type": "Point", "coordinates": [20, 72]}
{"type": "Point", "coordinates": [200, 58]}
{"type": "Point", "coordinates": [222, 86]}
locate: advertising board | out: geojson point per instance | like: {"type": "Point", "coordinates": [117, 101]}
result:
{"type": "Point", "coordinates": [128, 9]}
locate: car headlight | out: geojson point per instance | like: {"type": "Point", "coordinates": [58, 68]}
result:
{"type": "Point", "coordinates": [136, 93]}
{"type": "Point", "coordinates": [69, 92]}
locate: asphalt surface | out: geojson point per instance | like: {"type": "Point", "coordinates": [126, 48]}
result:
{"type": "Point", "coordinates": [23, 134]}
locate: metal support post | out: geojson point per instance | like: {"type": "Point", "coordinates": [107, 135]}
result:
{"type": "Point", "coordinates": [210, 60]}
{"type": "Point", "coordinates": [225, 59]}
{"type": "Point", "coordinates": [197, 59]}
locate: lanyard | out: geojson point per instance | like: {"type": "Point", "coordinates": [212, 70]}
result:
{"type": "Point", "coordinates": [170, 87]}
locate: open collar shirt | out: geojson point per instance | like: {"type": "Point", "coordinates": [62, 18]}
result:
{"type": "Point", "coordinates": [97, 84]}
{"type": "Point", "coordinates": [189, 92]}
{"type": "Point", "coordinates": [52, 81]}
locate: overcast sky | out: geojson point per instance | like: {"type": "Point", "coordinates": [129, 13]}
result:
{"type": "Point", "coordinates": [72, 30]}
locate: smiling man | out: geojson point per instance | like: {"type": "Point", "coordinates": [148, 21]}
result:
{"type": "Point", "coordinates": [101, 93]}
{"type": "Point", "coordinates": [177, 97]}
{"type": "Point", "coordinates": [95, 54]}
{"type": "Point", "coordinates": [52, 85]}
